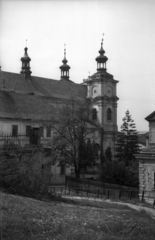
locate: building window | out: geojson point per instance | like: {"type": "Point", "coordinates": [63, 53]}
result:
{"type": "Point", "coordinates": [47, 152]}
{"type": "Point", "coordinates": [41, 132]}
{"type": "Point", "coordinates": [62, 169]}
{"type": "Point", "coordinates": [94, 114]}
{"type": "Point", "coordinates": [28, 131]}
{"type": "Point", "coordinates": [109, 114]}
{"type": "Point", "coordinates": [48, 130]}
{"type": "Point", "coordinates": [14, 130]}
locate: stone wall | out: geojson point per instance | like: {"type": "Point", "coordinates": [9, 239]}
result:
{"type": "Point", "coordinates": [146, 175]}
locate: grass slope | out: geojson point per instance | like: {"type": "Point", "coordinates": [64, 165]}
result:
{"type": "Point", "coordinates": [26, 218]}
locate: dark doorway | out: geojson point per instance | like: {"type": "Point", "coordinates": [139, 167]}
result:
{"type": "Point", "coordinates": [34, 136]}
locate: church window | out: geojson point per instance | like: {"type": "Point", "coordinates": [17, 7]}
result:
{"type": "Point", "coordinates": [62, 169]}
{"type": "Point", "coordinates": [48, 129]}
{"type": "Point", "coordinates": [94, 114]}
{"type": "Point", "coordinates": [28, 130]}
{"type": "Point", "coordinates": [41, 131]}
{"type": "Point", "coordinates": [109, 114]}
{"type": "Point", "coordinates": [14, 130]}
{"type": "Point", "coordinates": [94, 91]}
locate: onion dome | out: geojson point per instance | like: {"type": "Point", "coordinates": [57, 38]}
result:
{"type": "Point", "coordinates": [65, 68]}
{"type": "Point", "coordinates": [101, 60]}
{"type": "Point", "coordinates": [26, 72]}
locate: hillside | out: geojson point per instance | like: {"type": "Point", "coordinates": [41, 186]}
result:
{"type": "Point", "coordinates": [26, 218]}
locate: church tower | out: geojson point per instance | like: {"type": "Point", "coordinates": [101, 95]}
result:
{"type": "Point", "coordinates": [65, 68]}
{"type": "Point", "coordinates": [103, 97]}
{"type": "Point", "coordinates": [26, 72]}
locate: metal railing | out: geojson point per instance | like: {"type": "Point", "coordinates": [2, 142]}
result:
{"type": "Point", "coordinates": [9, 141]}
{"type": "Point", "coordinates": [94, 192]}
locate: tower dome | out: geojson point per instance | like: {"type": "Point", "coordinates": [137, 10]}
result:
{"type": "Point", "coordinates": [65, 68]}
{"type": "Point", "coordinates": [101, 59]}
{"type": "Point", "coordinates": [26, 72]}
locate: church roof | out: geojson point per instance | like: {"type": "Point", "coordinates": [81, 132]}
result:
{"type": "Point", "coordinates": [42, 86]}
{"type": "Point", "coordinates": [23, 106]}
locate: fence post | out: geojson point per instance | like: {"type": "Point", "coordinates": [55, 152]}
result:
{"type": "Point", "coordinates": [120, 194]}
{"type": "Point", "coordinates": [142, 196]}
{"type": "Point", "coordinates": [98, 193]}
{"type": "Point", "coordinates": [130, 195]}
{"type": "Point", "coordinates": [108, 194]}
{"type": "Point", "coordinates": [87, 192]}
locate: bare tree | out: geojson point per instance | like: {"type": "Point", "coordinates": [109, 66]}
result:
{"type": "Point", "coordinates": [72, 129]}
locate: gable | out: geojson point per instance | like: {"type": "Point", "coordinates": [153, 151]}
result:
{"type": "Point", "coordinates": [151, 117]}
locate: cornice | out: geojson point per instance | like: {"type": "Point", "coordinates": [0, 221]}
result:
{"type": "Point", "coordinates": [106, 98]}
{"type": "Point", "coordinates": [101, 80]}
{"type": "Point", "coordinates": [101, 77]}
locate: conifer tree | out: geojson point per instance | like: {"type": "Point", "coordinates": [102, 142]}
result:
{"type": "Point", "coordinates": [127, 144]}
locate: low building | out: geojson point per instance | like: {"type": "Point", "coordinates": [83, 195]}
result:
{"type": "Point", "coordinates": [147, 165]}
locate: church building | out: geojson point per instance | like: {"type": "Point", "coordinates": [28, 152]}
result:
{"type": "Point", "coordinates": [26, 100]}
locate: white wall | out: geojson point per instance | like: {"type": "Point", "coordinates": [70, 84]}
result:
{"type": "Point", "coordinates": [6, 126]}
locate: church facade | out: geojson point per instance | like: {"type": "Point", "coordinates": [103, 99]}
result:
{"type": "Point", "coordinates": [26, 101]}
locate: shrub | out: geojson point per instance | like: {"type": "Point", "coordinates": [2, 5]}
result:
{"type": "Point", "coordinates": [116, 172]}
{"type": "Point", "coordinates": [27, 174]}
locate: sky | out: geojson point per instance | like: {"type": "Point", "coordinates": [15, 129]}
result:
{"type": "Point", "coordinates": [129, 43]}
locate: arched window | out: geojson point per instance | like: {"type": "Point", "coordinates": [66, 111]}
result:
{"type": "Point", "coordinates": [109, 114]}
{"type": "Point", "coordinates": [94, 114]}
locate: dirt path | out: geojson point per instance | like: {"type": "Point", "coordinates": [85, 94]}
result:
{"type": "Point", "coordinates": [150, 210]}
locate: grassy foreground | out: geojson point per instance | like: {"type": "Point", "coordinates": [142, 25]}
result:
{"type": "Point", "coordinates": [26, 218]}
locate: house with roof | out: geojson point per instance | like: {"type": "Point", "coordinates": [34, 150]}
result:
{"type": "Point", "coordinates": [26, 101]}
{"type": "Point", "coordinates": [151, 120]}
{"type": "Point", "coordinates": [146, 161]}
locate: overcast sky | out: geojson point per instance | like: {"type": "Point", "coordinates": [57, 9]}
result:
{"type": "Point", "coordinates": [129, 42]}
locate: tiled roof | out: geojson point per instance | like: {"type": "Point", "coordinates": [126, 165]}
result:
{"type": "Point", "coordinates": [42, 86]}
{"type": "Point", "coordinates": [23, 106]}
